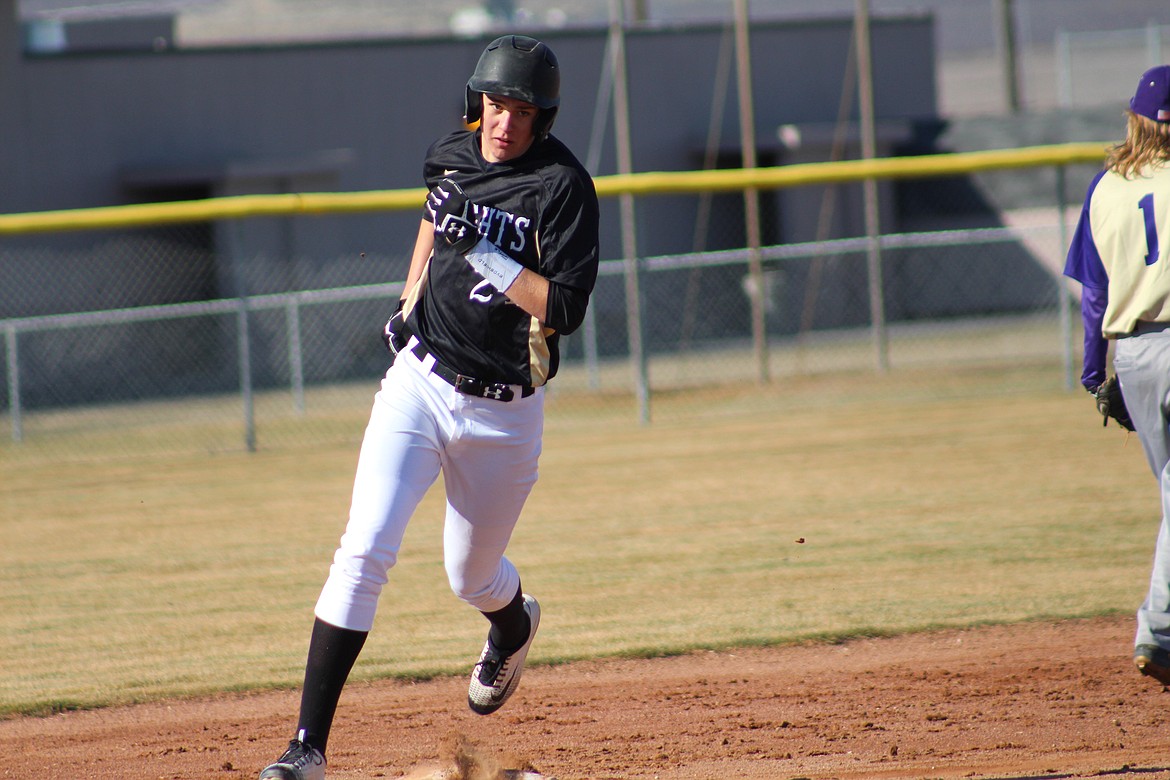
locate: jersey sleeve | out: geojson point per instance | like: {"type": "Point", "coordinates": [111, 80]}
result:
{"type": "Point", "coordinates": [1084, 262]}
{"type": "Point", "coordinates": [1084, 265]}
{"type": "Point", "coordinates": [430, 177]}
{"type": "Point", "coordinates": [1096, 347]}
{"type": "Point", "coordinates": [444, 157]}
{"type": "Point", "coordinates": [569, 252]}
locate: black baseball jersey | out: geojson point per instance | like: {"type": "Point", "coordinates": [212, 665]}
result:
{"type": "Point", "coordinates": [541, 209]}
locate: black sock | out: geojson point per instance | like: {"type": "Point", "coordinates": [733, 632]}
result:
{"type": "Point", "coordinates": [332, 653]}
{"type": "Point", "coordinates": [510, 625]}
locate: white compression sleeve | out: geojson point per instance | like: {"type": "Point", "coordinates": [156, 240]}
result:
{"type": "Point", "coordinates": [493, 265]}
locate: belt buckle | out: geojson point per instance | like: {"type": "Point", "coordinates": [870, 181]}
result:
{"type": "Point", "coordinates": [474, 387]}
{"type": "Point", "coordinates": [499, 392]}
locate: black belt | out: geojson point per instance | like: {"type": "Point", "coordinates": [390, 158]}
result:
{"type": "Point", "coordinates": [468, 385]}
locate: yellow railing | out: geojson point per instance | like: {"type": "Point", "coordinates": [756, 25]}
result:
{"type": "Point", "coordinates": [651, 183]}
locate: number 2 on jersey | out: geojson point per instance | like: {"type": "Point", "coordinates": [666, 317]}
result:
{"type": "Point", "coordinates": [1146, 204]}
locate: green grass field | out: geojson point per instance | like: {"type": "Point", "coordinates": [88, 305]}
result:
{"type": "Point", "coordinates": [812, 509]}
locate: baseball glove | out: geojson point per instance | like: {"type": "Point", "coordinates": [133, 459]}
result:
{"type": "Point", "coordinates": [1111, 403]}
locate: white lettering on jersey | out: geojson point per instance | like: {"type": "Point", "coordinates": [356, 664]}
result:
{"type": "Point", "coordinates": [504, 229]}
{"type": "Point", "coordinates": [482, 292]}
{"type": "Point", "coordinates": [522, 225]}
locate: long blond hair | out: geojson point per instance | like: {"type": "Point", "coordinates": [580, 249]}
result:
{"type": "Point", "coordinates": [1146, 144]}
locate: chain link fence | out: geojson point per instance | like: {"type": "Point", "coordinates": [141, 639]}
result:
{"type": "Point", "coordinates": [167, 339]}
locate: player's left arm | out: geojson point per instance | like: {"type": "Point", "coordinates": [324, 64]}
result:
{"type": "Point", "coordinates": [558, 295]}
{"type": "Point", "coordinates": [569, 251]}
{"type": "Point", "coordinates": [530, 293]}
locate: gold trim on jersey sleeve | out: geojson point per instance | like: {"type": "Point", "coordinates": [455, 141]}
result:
{"type": "Point", "coordinates": [539, 354]}
{"type": "Point", "coordinates": [415, 294]}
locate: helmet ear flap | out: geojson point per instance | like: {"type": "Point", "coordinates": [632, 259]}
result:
{"type": "Point", "coordinates": [472, 106]}
{"type": "Point", "coordinates": [545, 123]}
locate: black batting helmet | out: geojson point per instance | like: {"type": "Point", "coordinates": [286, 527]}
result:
{"type": "Point", "coordinates": [518, 67]}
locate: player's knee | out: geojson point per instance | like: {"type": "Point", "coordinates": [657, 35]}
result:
{"type": "Point", "coordinates": [472, 593]}
{"type": "Point", "coordinates": [486, 592]}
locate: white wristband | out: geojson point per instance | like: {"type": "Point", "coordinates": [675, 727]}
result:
{"type": "Point", "coordinates": [493, 265]}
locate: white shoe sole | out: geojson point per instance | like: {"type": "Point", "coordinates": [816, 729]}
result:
{"type": "Point", "coordinates": [484, 699]}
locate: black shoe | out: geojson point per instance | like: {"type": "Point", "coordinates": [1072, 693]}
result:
{"type": "Point", "coordinates": [1153, 661]}
{"type": "Point", "coordinates": [299, 762]}
{"type": "Point", "coordinates": [495, 675]}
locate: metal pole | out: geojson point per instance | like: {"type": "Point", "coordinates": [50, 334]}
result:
{"type": "Point", "coordinates": [601, 108]}
{"type": "Point", "coordinates": [1064, 96]}
{"type": "Point", "coordinates": [714, 131]}
{"type": "Point", "coordinates": [1153, 45]}
{"type": "Point", "coordinates": [1011, 76]}
{"type": "Point", "coordinates": [1063, 296]}
{"type": "Point", "coordinates": [877, 309]}
{"type": "Point", "coordinates": [246, 396]}
{"type": "Point", "coordinates": [296, 360]}
{"type": "Point", "coordinates": [617, 50]}
{"type": "Point", "coordinates": [751, 196]}
{"type": "Point", "coordinates": [243, 338]}
{"type": "Point", "coordinates": [639, 10]}
{"type": "Point", "coordinates": [14, 385]}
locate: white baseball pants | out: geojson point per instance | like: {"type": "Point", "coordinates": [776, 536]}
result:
{"type": "Point", "coordinates": [487, 451]}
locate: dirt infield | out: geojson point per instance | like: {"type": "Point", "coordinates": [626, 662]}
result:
{"type": "Point", "coordinates": [1034, 700]}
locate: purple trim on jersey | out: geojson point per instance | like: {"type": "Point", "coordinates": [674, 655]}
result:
{"type": "Point", "coordinates": [1093, 303]}
{"type": "Point", "coordinates": [1083, 262]}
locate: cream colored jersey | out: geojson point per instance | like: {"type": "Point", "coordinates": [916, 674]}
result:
{"type": "Point", "coordinates": [1122, 245]}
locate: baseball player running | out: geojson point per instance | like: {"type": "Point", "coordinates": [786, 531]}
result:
{"type": "Point", "coordinates": [504, 263]}
{"type": "Point", "coordinates": [1120, 253]}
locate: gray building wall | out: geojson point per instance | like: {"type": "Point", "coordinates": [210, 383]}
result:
{"type": "Point", "coordinates": [98, 128]}
{"type": "Point", "coordinates": [92, 124]}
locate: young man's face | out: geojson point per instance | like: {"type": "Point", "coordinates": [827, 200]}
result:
{"type": "Point", "coordinates": [506, 128]}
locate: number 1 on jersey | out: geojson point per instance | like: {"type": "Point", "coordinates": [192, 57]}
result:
{"type": "Point", "coordinates": [1146, 204]}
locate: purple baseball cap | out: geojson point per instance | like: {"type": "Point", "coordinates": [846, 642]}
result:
{"type": "Point", "coordinates": [1152, 98]}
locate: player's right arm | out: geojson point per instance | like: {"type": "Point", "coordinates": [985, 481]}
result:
{"type": "Point", "coordinates": [394, 332]}
{"type": "Point", "coordinates": [424, 245]}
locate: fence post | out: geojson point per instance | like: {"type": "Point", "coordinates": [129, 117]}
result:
{"type": "Point", "coordinates": [877, 289]}
{"type": "Point", "coordinates": [296, 360]}
{"type": "Point", "coordinates": [235, 254]}
{"type": "Point", "coordinates": [629, 238]}
{"type": "Point", "coordinates": [1064, 98]}
{"type": "Point", "coordinates": [1011, 71]}
{"type": "Point", "coordinates": [1063, 296]}
{"type": "Point", "coordinates": [246, 395]}
{"type": "Point", "coordinates": [13, 384]}
{"type": "Point", "coordinates": [751, 195]}
{"type": "Point", "coordinates": [605, 86]}
{"type": "Point", "coordinates": [591, 358]}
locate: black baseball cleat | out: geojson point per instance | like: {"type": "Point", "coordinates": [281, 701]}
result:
{"type": "Point", "coordinates": [495, 675]}
{"type": "Point", "coordinates": [1153, 661]}
{"type": "Point", "coordinates": [299, 762]}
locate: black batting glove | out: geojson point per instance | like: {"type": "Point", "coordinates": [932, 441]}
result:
{"type": "Point", "coordinates": [453, 215]}
{"type": "Point", "coordinates": [394, 332]}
